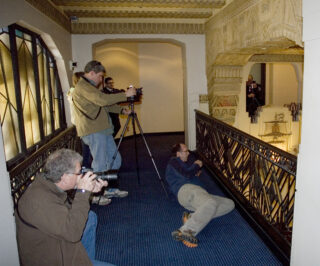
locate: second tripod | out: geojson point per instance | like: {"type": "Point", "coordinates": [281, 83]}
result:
{"type": "Point", "coordinates": [134, 119]}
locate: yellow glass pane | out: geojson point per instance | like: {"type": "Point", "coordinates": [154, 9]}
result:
{"type": "Point", "coordinates": [55, 99]}
{"type": "Point", "coordinates": [28, 95]}
{"type": "Point", "coordinates": [45, 103]}
{"type": "Point", "coordinates": [8, 112]}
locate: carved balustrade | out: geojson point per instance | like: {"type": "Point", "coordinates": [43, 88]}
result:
{"type": "Point", "coordinates": [260, 177]}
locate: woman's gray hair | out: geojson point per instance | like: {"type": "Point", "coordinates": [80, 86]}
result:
{"type": "Point", "coordinates": [60, 162]}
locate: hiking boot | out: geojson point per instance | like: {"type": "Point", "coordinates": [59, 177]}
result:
{"type": "Point", "coordinates": [185, 217]}
{"type": "Point", "coordinates": [186, 238]}
{"type": "Point", "coordinates": [115, 192]}
{"type": "Point", "coordinates": [100, 200]}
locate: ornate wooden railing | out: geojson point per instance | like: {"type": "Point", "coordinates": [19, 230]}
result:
{"type": "Point", "coordinates": [23, 174]}
{"type": "Point", "coordinates": [260, 177]}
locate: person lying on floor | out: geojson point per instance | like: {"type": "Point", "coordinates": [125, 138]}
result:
{"type": "Point", "coordinates": [52, 230]}
{"type": "Point", "coordinates": [182, 177]}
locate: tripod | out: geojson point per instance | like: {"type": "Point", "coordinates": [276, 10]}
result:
{"type": "Point", "coordinates": [134, 118]}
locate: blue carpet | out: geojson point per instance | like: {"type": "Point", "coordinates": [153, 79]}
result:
{"type": "Point", "coordinates": [136, 230]}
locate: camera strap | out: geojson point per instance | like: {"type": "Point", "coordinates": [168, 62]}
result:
{"type": "Point", "coordinates": [85, 113]}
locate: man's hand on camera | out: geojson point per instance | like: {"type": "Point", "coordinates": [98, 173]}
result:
{"type": "Point", "coordinates": [99, 184]}
{"type": "Point", "coordinates": [86, 181]}
{"type": "Point", "coordinates": [131, 91]}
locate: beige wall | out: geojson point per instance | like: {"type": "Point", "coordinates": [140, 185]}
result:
{"type": "Point", "coordinates": [157, 67]}
{"type": "Point", "coordinates": [284, 84]}
{"type": "Point", "coordinates": [161, 75]}
{"type": "Point", "coordinates": [195, 82]}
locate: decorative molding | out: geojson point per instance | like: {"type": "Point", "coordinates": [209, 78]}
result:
{"type": "Point", "coordinates": [52, 12]}
{"type": "Point", "coordinates": [250, 30]}
{"type": "Point", "coordinates": [136, 28]}
{"type": "Point", "coordinates": [266, 58]}
{"type": "Point", "coordinates": [254, 27]}
{"type": "Point", "coordinates": [192, 14]}
{"type": "Point", "coordinates": [143, 3]}
{"type": "Point", "coordinates": [203, 98]}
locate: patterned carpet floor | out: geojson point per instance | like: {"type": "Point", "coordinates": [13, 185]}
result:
{"type": "Point", "coordinates": [136, 230]}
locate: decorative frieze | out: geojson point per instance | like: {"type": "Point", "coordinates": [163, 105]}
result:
{"type": "Point", "coordinates": [251, 26]}
{"type": "Point", "coordinates": [137, 28]}
{"type": "Point", "coordinates": [268, 58]}
{"type": "Point", "coordinates": [143, 3]}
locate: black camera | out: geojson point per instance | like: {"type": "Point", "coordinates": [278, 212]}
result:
{"type": "Point", "coordinates": [135, 98]}
{"type": "Point", "coordinates": [105, 175]}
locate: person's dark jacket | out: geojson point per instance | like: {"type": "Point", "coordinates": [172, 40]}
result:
{"type": "Point", "coordinates": [179, 173]}
{"type": "Point", "coordinates": [55, 238]}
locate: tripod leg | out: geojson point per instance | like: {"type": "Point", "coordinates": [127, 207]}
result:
{"type": "Point", "coordinates": [135, 118]}
{"type": "Point", "coordinates": [121, 137]}
{"type": "Point", "coordinates": [135, 146]}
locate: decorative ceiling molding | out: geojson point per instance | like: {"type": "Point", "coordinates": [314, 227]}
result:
{"type": "Point", "coordinates": [137, 28]}
{"type": "Point", "coordinates": [137, 13]}
{"type": "Point", "coordinates": [143, 3]}
{"type": "Point", "coordinates": [52, 12]}
{"type": "Point", "coordinates": [130, 16]}
{"type": "Point", "coordinates": [268, 58]}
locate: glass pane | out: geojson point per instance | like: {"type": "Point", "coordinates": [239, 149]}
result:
{"type": "Point", "coordinates": [44, 93]}
{"type": "Point", "coordinates": [55, 97]}
{"type": "Point", "coordinates": [28, 94]}
{"type": "Point", "coordinates": [8, 109]}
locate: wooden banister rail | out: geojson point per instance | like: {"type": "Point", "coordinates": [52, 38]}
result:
{"type": "Point", "coordinates": [260, 177]}
{"type": "Point", "coordinates": [23, 174]}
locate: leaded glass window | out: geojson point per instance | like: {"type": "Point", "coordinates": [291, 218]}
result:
{"type": "Point", "coordinates": [31, 99]}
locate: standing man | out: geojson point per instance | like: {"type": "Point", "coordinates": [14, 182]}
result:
{"type": "Point", "coordinates": [50, 229]}
{"type": "Point", "coordinates": [92, 119]}
{"type": "Point", "coordinates": [110, 89]}
{"type": "Point", "coordinates": [182, 177]}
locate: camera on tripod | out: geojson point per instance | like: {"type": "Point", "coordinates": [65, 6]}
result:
{"type": "Point", "coordinates": [135, 98]}
{"type": "Point", "coordinates": [105, 175]}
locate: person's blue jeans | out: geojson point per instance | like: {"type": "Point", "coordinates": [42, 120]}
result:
{"type": "Point", "coordinates": [86, 154]}
{"type": "Point", "coordinates": [102, 148]}
{"type": "Point", "coordinates": [88, 239]}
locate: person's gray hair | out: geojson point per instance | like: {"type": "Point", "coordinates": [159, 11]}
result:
{"type": "Point", "coordinates": [95, 66]}
{"type": "Point", "coordinates": [60, 162]}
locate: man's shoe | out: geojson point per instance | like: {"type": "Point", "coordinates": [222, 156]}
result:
{"type": "Point", "coordinates": [186, 238]}
{"type": "Point", "coordinates": [115, 192]}
{"type": "Point", "coordinates": [185, 217]}
{"type": "Point", "coordinates": [101, 200]}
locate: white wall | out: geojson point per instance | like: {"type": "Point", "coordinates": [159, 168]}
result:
{"type": "Point", "coordinates": [195, 78]}
{"type": "Point", "coordinates": [58, 40]}
{"type": "Point", "coordinates": [161, 75]}
{"type": "Point", "coordinates": [306, 233]}
{"type": "Point", "coordinates": [157, 67]}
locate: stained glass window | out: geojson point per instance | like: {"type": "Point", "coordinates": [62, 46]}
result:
{"type": "Point", "coordinates": [31, 99]}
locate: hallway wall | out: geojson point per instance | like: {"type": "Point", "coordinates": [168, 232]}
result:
{"type": "Point", "coordinates": [157, 67]}
{"type": "Point", "coordinates": [59, 42]}
{"type": "Point", "coordinates": [306, 233]}
{"type": "Point", "coordinates": [195, 77]}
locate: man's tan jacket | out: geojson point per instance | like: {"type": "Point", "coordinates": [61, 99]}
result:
{"type": "Point", "coordinates": [91, 107]}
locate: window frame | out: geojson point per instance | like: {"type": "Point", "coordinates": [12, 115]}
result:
{"type": "Point", "coordinates": [50, 64]}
